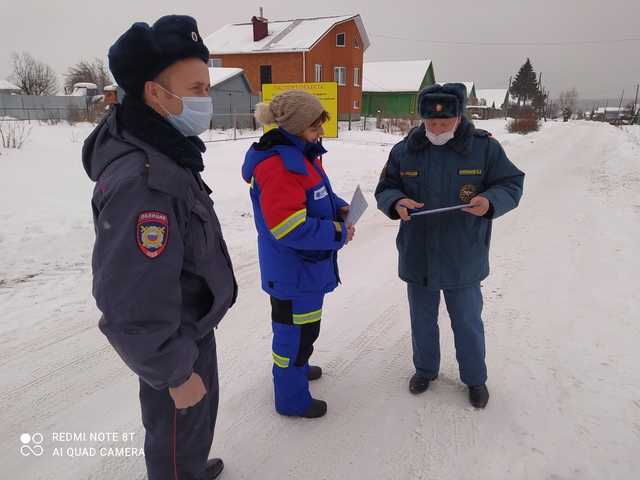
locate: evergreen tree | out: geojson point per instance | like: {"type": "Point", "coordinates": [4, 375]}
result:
{"type": "Point", "coordinates": [525, 85]}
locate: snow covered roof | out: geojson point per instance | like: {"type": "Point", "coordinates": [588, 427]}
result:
{"type": "Point", "coordinates": [4, 85]}
{"type": "Point", "coordinates": [495, 97]}
{"type": "Point", "coordinates": [471, 87]}
{"type": "Point", "coordinates": [394, 76]}
{"type": "Point", "coordinates": [218, 75]}
{"type": "Point", "coordinates": [298, 35]}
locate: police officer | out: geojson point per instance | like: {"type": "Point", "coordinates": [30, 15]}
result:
{"type": "Point", "coordinates": [162, 276]}
{"type": "Point", "coordinates": [447, 162]}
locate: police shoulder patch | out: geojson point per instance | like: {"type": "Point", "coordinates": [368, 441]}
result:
{"type": "Point", "coordinates": [152, 233]}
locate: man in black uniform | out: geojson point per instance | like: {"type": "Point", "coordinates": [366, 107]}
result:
{"type": "Point", "coordinates": [162, 276]}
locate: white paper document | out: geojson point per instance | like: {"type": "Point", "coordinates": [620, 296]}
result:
{"type": "Point", "coordinates": [357, 206]}
{"type": "Point", "coordinates": [436, 210]}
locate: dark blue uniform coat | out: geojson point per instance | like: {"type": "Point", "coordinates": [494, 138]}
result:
{"type": "Point", "coordinates": [450, 249]}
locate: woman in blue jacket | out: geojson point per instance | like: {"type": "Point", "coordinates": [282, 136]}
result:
{"type": "Point", "coordinates": [447, 162]}
{"type": "Point", "coordinates": [300, 223]}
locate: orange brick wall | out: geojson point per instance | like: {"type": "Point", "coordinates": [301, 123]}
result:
{"type": "Point", "coordinates": [288, 67]}
{"type": "Point", "coordinates": [327, 54]}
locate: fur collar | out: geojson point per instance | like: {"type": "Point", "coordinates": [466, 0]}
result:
{"type": "Point", "coordinates": [145, 123]}
{"type": "Point", "coordinates": [462, 142]}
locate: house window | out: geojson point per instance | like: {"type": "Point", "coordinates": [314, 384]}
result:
{"type": "Point", "coordinates": [356, 43]}
{"type": "Point", "coordinates": [215, 62]}
{"type": "Point", "coordinates": [340, 75]}
{"type": "Point", "coordinates": [317, 73]}
{"type": "Point", "coordinates": [356, 77]}
{"type": "Point", "coordinates": [356, 105]}
{"type": "Point", "coordinates": [340, 42]}
{"type": "Point", "coordinates": [265, 74]}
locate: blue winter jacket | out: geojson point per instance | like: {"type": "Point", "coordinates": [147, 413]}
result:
{"type": "Point", "coordinates": [297, 216]}
{"type": "Point", "coordinates": [449, 249]}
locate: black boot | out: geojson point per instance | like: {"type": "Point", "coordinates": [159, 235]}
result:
{"type": "Point", "coordinates": [317, 409]}
{"type": "Point", "coordinates": [314, 373]}
{"type": "Point", "coordinates": [479, 396]}
{"type": "Point", "coordinates": [214, 468]}
{"type": "Point", "coordinates": [418, 384]}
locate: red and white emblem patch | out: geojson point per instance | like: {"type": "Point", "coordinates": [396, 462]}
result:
{"type": "Point", "coordinates": [152, 233]}
{"type": "Point", "coordinates": [467, 193]}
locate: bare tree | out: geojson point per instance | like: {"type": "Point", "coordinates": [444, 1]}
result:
{"type": "Point", "coordinates": [567, 102]}
{"type": "Point", "coordinates": [84, 71]}
{"type": "Point", "coordinates": [32, 76]}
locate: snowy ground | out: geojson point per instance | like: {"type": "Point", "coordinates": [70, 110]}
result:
{"type": "Point", "coordinates": [561, 311]}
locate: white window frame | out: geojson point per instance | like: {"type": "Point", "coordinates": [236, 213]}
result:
{"type": "Point", "coordinates": [317, 72]}
{"type": "Point", "coordinates": [356, 42]}
{"type": "Point", "coordinates": [215, 62]}
{"type": "Point", "coordinates": [356, 77]}
{"type": "Point", "coordinates": [356, 105]}
{"type": "Point", "coordinates": [340, 75]}
{"type": "Point", "coordinates": [344, 39]}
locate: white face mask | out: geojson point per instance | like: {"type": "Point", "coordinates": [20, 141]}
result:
{"type": "Point", "coordinates": [195, 117]}
{"type": "Point", "coordinates": [443, 137]}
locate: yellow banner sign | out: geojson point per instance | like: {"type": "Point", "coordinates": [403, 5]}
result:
{"type": "Point", "coordinates": [327, 93]}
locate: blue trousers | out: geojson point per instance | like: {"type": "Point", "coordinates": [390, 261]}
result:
{"type": "Point", "coordinates": [296, 325]}
{"type": "Point", "coordinates": [465, 311]}
{"type": "Point", "coordinates": [178, 442]}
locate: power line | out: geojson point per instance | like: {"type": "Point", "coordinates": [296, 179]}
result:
{"type": "Point", "coordinates": [510, 44]}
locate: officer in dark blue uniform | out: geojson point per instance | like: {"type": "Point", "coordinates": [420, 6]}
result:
{"type": "Point", "coordinates": [162, 276]}
{"type": "Point", "coordinates": [446, 162]}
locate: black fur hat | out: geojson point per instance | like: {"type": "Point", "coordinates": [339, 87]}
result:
{"type": "Point", "coordinates": [442, 101]}
{"type": "Point", "coordinates": [143, 52]}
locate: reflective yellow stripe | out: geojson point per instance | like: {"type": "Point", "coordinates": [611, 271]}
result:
{"type": "Point", "coordinates": [338, 227]}
{"type": "Point", "coordinates": [282, 362]}
{"type": "Point", "coordinates": [304, 318]}
{"type": "Point", "coordinates": [253, 181]}
{"type": "Point", "coordinates": [289, 224]}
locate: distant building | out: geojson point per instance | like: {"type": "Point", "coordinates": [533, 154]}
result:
{"type": "Point", "coordinates": [231, 94]}
{"type": "Point", "coordinates": [321, 49]}
{"type": "Point", "coordinates": [392, 88]}
{"type": "Point", "coordinates": [491, 103]}
{"type": "Point", "coordinates": [8, 88]}
{"type": "Point", "coordinates": [111, 94]}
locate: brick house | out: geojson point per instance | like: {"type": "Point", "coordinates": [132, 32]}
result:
{"type": "Point", "coordinates": [322, 49]}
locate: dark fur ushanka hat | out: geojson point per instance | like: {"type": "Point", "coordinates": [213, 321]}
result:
{"type": "Point", "coordinates": [442, 101]}
{"type": "Point", "coordinates": [143, 52]}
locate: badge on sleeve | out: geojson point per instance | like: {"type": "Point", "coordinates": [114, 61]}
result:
{"type": "Point", "coordinates": [152, 233]}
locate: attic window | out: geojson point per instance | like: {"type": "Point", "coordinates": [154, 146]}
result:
{"type": "Point", "coordinates": [356, 43]}
{"type": "Point", "coordinates": [215, 62]}
{"type": "Point", "coordinates": [340, 40]}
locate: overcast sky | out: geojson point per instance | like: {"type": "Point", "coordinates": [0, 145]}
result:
{"type": "Point", "coordinates": [593, 45]}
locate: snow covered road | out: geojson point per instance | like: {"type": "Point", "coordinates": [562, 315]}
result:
{"type": "Point", "coordinates": [561, 316]}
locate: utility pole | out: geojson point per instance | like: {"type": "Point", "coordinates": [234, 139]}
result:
{"type": "Point", "coordinates": [634, 117]}
{"type": "Point", "coordinates": [620, 106]}
{"type": "Point", "coordinates": [506, 107]}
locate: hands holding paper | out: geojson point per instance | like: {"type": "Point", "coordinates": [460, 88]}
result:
{"type": "Point", "coordinates": [404, 204]}
{"type": "Point", "coordinates": [351, 230]}
{"type": "Point", "coordinates": [478, 206]}
{"type": "Point", "coordinates": [478, 210]}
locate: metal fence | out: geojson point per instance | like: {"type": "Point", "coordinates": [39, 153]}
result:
{"type": "Point", "coordinates": [44, 114]}
{"type": "Point", "coordinates": [43, 108]}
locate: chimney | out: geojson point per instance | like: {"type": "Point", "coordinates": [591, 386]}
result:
{"type": "Point", "coordinates": [260, 28]}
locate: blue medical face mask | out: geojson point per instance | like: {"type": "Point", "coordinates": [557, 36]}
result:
{"type": "Point", "coordinates": [195, 117]}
